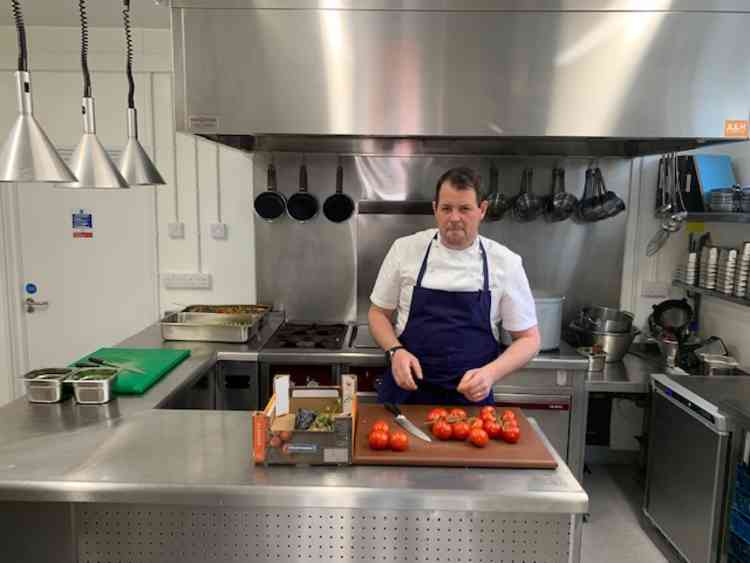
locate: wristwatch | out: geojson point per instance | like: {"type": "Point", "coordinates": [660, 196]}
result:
{"type": "Point", "coordinates": [389, 353]}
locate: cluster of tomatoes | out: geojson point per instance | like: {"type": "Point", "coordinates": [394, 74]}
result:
{"type": "Point", "coordinates": [380, 438]}
{"type": "Point", "coordinates": [457, 425]}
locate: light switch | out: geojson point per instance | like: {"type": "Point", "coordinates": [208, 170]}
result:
{"type": "Point", "coordinates": [218, 231]}
{"type": "Point", "coordinates": [176, 230]}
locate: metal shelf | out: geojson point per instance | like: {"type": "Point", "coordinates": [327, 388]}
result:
{"type": "Point", "coordinates": [717, 294]}
{"type": "Point", "coordinates": [718, 217]}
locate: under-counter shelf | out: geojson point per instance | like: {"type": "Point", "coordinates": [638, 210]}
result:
{"type": "Point", "coordinates": [713, 293]}
{"type": "Point", "coordinates": [718, 217]}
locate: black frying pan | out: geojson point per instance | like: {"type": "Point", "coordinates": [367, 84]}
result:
{"type": "Point", "coordinates": [339, 206]}
{"type": "Point", "coordinates": [270, 205]}
{"type": "Point", "coordinates": [302, 206]}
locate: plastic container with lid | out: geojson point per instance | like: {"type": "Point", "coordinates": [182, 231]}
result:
{"type": "Point", "coordinates": [549, 314]}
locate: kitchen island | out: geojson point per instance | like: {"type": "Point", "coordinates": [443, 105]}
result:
{"type": "Point", "coordinates": [130, 481]}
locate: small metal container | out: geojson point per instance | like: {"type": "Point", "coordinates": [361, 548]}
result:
{"type": "Point", "coordinates": [47, 385]}
{"type": "Point", "coordinates": [93, 386]}
{"type": "Point", "coordinates": [596, 358]}
{"type": "Point", "coordinates": [714, 364]}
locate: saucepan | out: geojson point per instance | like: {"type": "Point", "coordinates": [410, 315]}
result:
{"type": "Point", "coordinates": [526, 206]}
{"type": "Point", "coordinates": [339, 206]}
{"type": "Point", "coordinates": [497, 203]}
{"type": "Point", "coordinates": [561, 204]}
{"type": "Point", "coordinates": [270, 205]}
{"type": "Point", "coordinates": [302, 206]}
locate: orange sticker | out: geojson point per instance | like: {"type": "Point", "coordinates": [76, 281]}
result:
{"type": "Point", "coordinates": [736, 128]}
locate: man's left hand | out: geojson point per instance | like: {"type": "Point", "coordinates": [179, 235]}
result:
{"type": "Point", "coordinates": [476, 384]}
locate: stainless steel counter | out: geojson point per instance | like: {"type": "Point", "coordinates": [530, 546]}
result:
{"type": "Point", "coordinates": [204, 458]}
{"type": "Point", "coordinates": [631, 375]}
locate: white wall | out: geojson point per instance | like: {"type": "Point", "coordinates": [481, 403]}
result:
{"type": "Point", "coordinates": [198, 173]}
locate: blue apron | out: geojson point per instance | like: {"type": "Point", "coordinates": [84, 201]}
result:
{"type": "Point", "coordinates": [450, 332]}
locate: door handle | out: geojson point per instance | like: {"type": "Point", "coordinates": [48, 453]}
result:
{"type": "Point", "coordinates": [32, 305]}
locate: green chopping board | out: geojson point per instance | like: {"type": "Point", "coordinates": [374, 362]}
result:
{"type": "Point", "coordinates": [156, 362]}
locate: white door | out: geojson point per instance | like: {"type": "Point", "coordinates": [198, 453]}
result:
{"type": "Point", "coordinates": [100, 283]}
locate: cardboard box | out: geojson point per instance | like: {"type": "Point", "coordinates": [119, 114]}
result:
{"type": "Point", "coordinates": [275, 440]}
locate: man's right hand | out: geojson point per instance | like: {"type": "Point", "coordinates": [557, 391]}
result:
{"type": "Point", "coordinates": [405, 367]}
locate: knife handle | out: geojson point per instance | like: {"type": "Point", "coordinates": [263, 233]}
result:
{"type": "Point", "coordinates": [393, 409]}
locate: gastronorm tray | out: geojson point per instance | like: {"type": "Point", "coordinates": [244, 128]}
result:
{"type": "Point", "coordinates": [228, 309]}
{"type": "Point", "coordinates": [47, 385]}
{"type": "Point", "coordinates": [93, 386]}
{"type": "Point", "coordinates": [211, 327]}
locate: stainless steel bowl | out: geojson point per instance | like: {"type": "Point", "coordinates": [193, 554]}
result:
{"type": "Point", "coordinates": [614, 344]}
{"type": "Point", "coordinates": [47, 385]}
{"type": "Point", "coordinates": [606, 319]}
{"type": "Point", "coordinates": [93, 386]}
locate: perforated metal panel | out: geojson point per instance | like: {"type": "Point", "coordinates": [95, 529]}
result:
{"type": "Point", "coordinates": [125, 534]}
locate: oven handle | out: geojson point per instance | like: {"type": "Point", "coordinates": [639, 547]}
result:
{"type": "Point", "coordinates": [534, 402]}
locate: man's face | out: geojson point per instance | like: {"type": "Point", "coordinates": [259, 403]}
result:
{"type": "Point", "coordinates": [458, 216]}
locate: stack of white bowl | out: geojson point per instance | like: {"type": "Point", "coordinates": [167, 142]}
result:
{"type": "Point", "coordinates": [708, 266]}
{"type": "Point", "coordinates": [687, 273]}
{"type": "Point", "coordinates": [726, 270]}
{"type": "Point", "coordinates": [743, 272]}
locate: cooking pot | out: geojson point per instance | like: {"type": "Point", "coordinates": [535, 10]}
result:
{"type": "Point", "coordinates": [614, 344]}
{"type": "Point", "coordinates": [606, 319]}
{"type": "Point", "coordinates": [549, 317]}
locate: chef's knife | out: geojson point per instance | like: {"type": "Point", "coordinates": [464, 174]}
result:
{"type": "Point", "coordinates": [123, 367]}
{"type": "Point", "coordinates": [406, 424]}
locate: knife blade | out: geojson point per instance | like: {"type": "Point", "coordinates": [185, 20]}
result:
{"type": "Point", "coordinates": [407, 424]}
{"type": "Point", "coordinates": [123, 367]}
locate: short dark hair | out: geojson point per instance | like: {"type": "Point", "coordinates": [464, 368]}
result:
{"type": "Point", "coordinates": [461, 178]}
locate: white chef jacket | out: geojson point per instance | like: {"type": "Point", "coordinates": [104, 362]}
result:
{"type": "Point", "coordinates": [455, 270]}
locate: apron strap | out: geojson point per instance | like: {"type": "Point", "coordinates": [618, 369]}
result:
{"type": "Point", "coordinates": [423, 268]}
{"type": "Point", "coordinates": [485, 268]}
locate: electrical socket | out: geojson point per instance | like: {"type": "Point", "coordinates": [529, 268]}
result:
{"type": "Point", "coordinates": [176, 230]}
{"type": "Point", "coordinates": [180, 280]}
{"type": "Point", "coordinates": [218, 231]}
{"type": "Point", "coordinates": [655, 289]}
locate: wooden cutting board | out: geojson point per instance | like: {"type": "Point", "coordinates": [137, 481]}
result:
{"type": "Point", "coordinates": [529, 453]}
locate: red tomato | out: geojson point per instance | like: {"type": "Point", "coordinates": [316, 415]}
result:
{"type": "Point", "coordinates": [285, 435]}
{"type": "Point", "coordinates": [493, 429]}
{"type": "Point", "coordinates": [275, 442]}
{"type": "Point", "coordinates": [487, 409]}
{"type": "Point", "coordinates": [398, 441]}
{"type": "Point", "coordinates": [380, 426]}
{"type": "Point", "coordinates": [436, 414]}
{"type": "Point", "coordinates": [461, 430]}
{"type": "Point", "coordinates": [478, 437]}
{"type": "Point", "coordinates": [488, 416]}
{"type": "Point", "coordinates": [378, 440]}
{"type": "Point", "coordinates": [511, 434]}
{"type": "Point", "coordinates": [442, 430]}
{"type": "Point", "coordinates": [476, 423]}
{"type": "Point", "coordinates": [510, 422]}
{"type": "Point", "coordinates": [457, 413]}
{"type": "Point", "coordinates": [509, 415]}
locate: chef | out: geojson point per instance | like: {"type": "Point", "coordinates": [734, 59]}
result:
{"type": "Point", "coordinates": [448, 288]}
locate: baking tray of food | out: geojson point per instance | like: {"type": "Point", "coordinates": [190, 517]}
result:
{"type": "Point", "coordinates": [212, 326]}
{"type": "Point", "coordinates": [228, 309]}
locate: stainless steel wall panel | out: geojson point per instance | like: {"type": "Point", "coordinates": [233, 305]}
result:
{"type": "Point", "coordinates": [323, 271]}
{"type": "Point", "coordinates": [657, 74]}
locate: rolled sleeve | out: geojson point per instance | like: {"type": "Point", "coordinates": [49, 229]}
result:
{"type": "Point", "coordinates": [385, 293]}
{"type": "Point", "coordinates": [517, 309]}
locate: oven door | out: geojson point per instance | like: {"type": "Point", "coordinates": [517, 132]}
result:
{"type": "Point", "coordinates": [552, 413]}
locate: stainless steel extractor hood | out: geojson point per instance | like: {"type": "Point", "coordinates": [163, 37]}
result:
{"type": "Point", "coordinates": [578, 77]}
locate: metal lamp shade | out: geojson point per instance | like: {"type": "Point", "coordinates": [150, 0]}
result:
{"type": "Point", "coordinates": [28, 155]}
{"type": "Point", "coordinates": [135, 165]}
{"type": "Point", "coordinates": [90, 162]}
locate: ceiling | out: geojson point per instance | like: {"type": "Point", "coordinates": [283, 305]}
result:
{"type": "Point", "coordinates": [101, 13]}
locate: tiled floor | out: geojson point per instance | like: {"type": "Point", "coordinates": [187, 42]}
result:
{"type": "Point", "coordinates": [614, 532]}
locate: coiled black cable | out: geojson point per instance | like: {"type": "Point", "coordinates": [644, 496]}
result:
{"type": "Point", "coordinates": [23, 58]}
{"type": "Point", "coordinates": [85, 49]}
{"type": "Point", "coordinates": [129, 55]}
